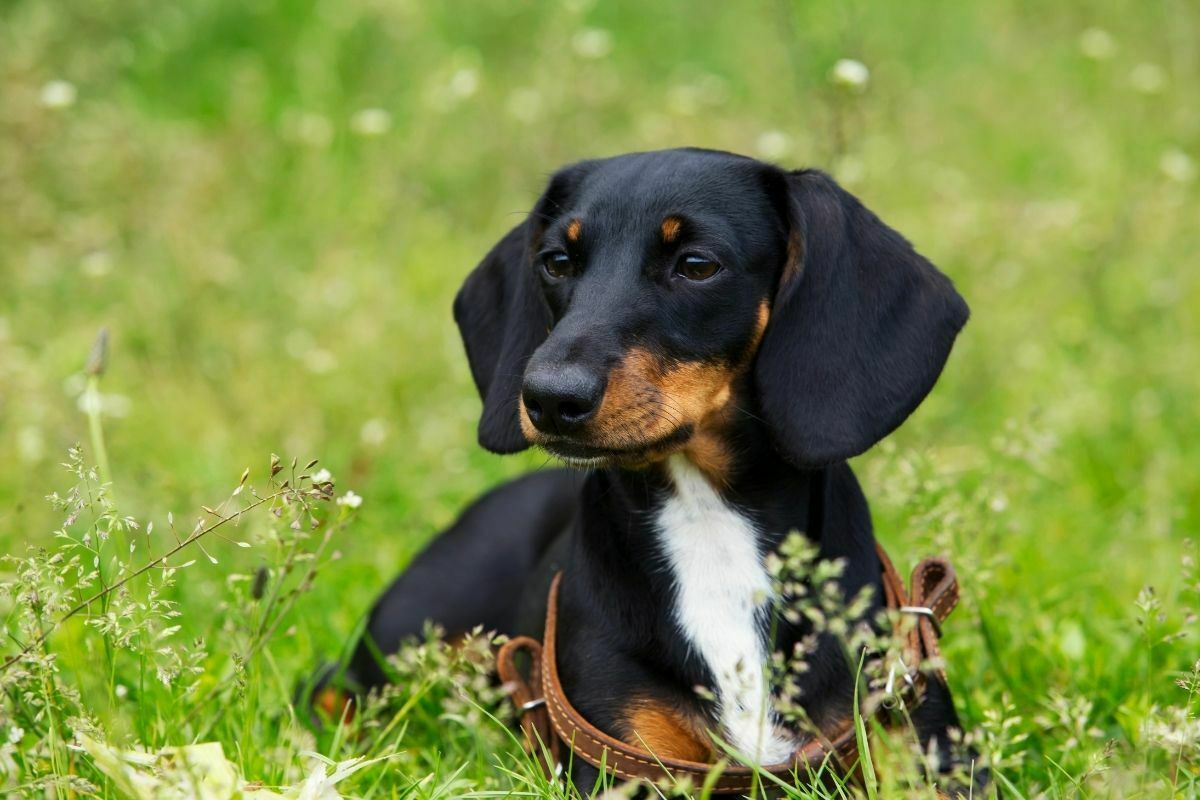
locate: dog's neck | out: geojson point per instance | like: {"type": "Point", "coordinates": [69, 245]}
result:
{"type": "Point", "coordinates": [775, 496]}
{"type": "Point", "coordinates": [688, 554]}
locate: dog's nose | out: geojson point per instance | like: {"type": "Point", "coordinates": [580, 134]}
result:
{"type": "Point", "coordinates": [560, 399]}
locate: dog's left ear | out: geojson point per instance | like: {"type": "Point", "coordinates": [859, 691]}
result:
{"type": "Point", "coordinates": [860, 328]}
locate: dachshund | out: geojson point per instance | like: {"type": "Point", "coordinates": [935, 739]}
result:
{"type": "Point", "coordinates": [703, 339]}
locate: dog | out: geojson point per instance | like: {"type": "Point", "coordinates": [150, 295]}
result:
{"type": "Point", "coordinates": [704, 339]}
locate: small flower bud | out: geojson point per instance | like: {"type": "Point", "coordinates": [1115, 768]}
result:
{"type": "Point", "coordinates": [98, 358]}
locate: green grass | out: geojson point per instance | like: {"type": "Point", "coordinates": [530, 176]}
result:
{"type": "Point", "coordinates": [276, 281]}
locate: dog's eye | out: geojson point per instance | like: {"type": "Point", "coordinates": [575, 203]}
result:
{"type": "Point", "coordinates": [558, 265]}
{"type": "Point", "coordinates": [697, 268]}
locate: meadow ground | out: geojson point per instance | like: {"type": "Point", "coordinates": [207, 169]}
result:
{"type": "Point", "coordinates": [270, 205]}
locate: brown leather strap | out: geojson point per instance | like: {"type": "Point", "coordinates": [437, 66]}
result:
{"type": "Point", "coordinates": [934, 587]}
{"type": "Point", "coordinates": [934, 594]}
{"type": "Point", "coordinates": [625, 761]}
{"type": "Point", "coordinates": [528, 700]}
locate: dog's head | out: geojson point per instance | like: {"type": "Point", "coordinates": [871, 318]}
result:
{"type": "Point", "coordinates": [648, 298]}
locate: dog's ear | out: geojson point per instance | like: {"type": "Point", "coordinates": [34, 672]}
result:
{"type": "Point", "coordinates": [503, 317]}
{"type": "Point", "coordinates": [860, 328]}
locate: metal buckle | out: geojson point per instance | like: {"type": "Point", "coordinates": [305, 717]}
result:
{"type": "Point", "coordinates": [924, 611]}
{"type": "Point", "coordinates": [530, 706]}
{"type": "Point", "coordinates": [890, 689]}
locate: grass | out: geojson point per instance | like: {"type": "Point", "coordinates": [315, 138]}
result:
{"type": "Point", "coordinates": [270, 205]}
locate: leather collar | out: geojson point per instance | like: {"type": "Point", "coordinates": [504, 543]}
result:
{"type": "Point", "coordinates": [552, 724]}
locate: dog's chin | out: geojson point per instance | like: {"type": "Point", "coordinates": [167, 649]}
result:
{"type": "Point", "coordinates": [633, 455]}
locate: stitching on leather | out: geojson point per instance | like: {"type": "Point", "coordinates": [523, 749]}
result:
{"type": "Point", "coordinates": [615, 766]}
{"type": "Point", "coordinates": [946, 601]}
{"type": "Point", "coordinates": [933, 578]}
{"type": "Point", "coordinates": [601, 763]}
{"type": "Point", "coordinates": [623, 772]}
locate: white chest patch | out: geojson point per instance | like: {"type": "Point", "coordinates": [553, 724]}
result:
{"type": "Point", "coordinates": [722, 591]}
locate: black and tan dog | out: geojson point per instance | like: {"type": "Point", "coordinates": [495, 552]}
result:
{"type": "Point", "coordinates": [706, 338]}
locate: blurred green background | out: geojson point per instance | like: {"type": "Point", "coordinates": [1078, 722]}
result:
{"type": "Point", "coordinates": [271, 204]}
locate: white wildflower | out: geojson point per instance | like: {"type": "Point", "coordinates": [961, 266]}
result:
{"type": "Point", "coordinates": [1177, 165]}
{"type": "Point", "coordinates": [1173, 730]}
{"type": "Point", "coordinates": [15, 734]}
{"type": "Point", "coordinates": [320, 361]}
{"type": "Point", "coordinates": [1148, 78]}
{"type": "Point", "coordinates": [849, 169]}
{"type": "Point", "coordinates": [350, 500]}
{"type": "Point", "coordinates": [371, 122]}
{"type": "Point", "coordinates": [58, 94]}
{"type": "Point", "coordinates": [322, 476]}
{"type": "Point", "coordinates": [308, 128]}
{"type": "Point", "coordinates": [464, 83]}
{"type": "Point", "coordinates": [1097, 44]}
{"type": "Point", "coordinates": [850, 74]}
{"type": "Point", "coordinates": [593, 43]}
{"type": "Point", "coordinates": [109, 405]}
{"type": "Point", "coordinates": [374, 431]}
{"type": "Point", "coordinates": [773, 145]}
{"type": "Point", "coordinates": [96, 264]}
{"type": "Point", "coordinates": [31, 445]}
{"type": "Point", "coordinates": [683, 99]}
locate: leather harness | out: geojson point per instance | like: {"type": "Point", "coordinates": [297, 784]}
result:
{"type": "Point", "coordinates": [551, 723]}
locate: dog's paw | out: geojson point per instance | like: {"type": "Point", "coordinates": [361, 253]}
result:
{"type": "Point", "coordinates": [329, 695]}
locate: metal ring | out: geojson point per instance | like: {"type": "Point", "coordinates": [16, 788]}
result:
{"type": "Point", "coordinates": [924, 611]}
{"type": "Point", "coordinates": [530, 706]}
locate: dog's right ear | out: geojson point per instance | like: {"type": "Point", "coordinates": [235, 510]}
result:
{"type": "Point", "coordinates": [503, 317]}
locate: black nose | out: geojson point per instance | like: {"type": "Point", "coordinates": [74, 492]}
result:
{"type": "Point", "coordinates": [561, 398]}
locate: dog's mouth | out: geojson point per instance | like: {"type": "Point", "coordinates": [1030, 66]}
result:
{"type": "Point", "coordinates": [634, 454]}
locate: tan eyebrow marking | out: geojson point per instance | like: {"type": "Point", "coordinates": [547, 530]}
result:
{"type": "Point", "coordinates": [671, 226]}
{"type": "Point", "coordinates": [574, 227]}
